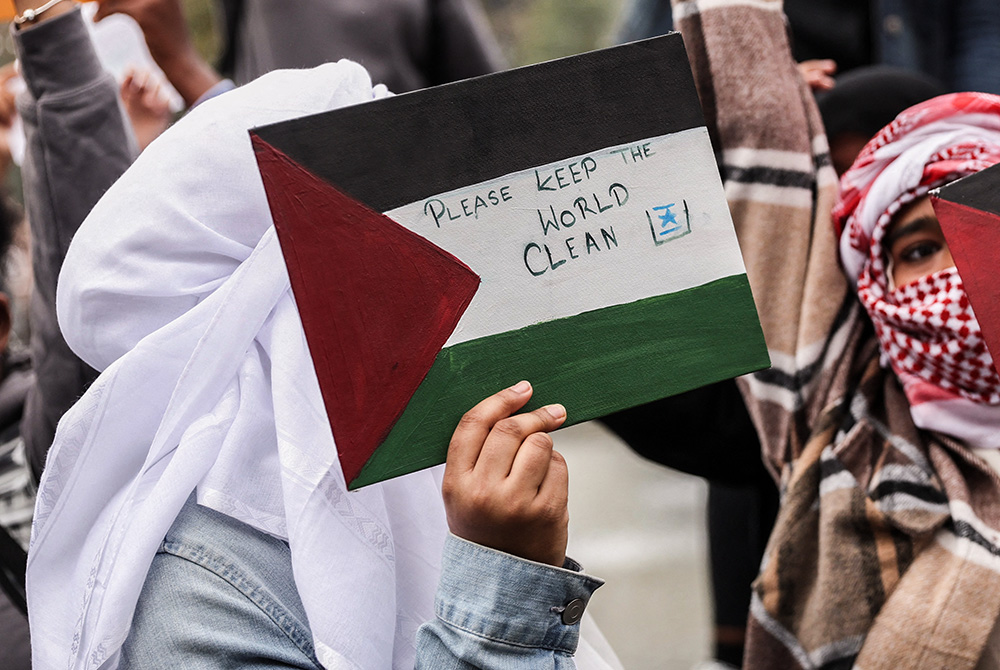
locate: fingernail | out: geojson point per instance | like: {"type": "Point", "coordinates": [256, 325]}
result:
{"type": "Point", "coordinates": [556, 411]}
{"type": "Point", "coordinates": [521, 387]}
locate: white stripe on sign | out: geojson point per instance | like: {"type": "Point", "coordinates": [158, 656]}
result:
{"type": "Point", "coordinates": [607, 228]}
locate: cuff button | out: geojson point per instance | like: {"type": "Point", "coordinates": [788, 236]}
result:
{"type": "Point", "coordinates": [573, 612]}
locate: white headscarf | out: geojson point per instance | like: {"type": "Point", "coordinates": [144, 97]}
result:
{"type": "Point", "coordinates": [176, 288]}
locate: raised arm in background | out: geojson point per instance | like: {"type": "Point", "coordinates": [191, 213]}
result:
{"type": "Point", "coordinates": [78, 144]}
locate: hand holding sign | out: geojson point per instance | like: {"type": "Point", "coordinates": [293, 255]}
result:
{"type": "Point", "coordinates": [504, 487]}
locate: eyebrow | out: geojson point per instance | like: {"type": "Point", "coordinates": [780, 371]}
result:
{"type": "Point", "coordinates": [917, 225]}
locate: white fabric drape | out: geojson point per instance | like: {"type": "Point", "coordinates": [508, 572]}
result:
{"type": "Point", "coordinates": [175, 287]}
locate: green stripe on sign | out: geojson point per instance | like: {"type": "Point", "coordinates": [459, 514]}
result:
{"type": "Point", "coordinates": [638, 352]}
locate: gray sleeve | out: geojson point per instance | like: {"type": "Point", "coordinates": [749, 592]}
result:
{"type": "Point", "coordinates": [77, 145]}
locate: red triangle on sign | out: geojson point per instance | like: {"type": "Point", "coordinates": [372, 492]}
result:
{"type": "Point", "coordinates": [973, 236]}
{"type": "Point", "coordinates": [377, 301]}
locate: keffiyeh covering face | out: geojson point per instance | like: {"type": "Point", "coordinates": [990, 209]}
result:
{"type": "Point", "coordinates": [176, 288]}
{"type": "Point", "coordinates": [927, 331]}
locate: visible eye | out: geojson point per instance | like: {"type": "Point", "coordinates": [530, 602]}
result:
{"type": "Point", "coordinates": [918, 251]}
{"type": "Point", "coordinates": [916, 244]}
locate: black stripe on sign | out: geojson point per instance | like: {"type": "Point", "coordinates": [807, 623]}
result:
{"type": "Point", "coordinates": [978, 191]}
{"type": "Point", "coordinates": [403, 149]}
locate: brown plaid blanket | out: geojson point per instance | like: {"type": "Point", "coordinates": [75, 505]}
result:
{"type": "Point", "coordinates": [885, 553]}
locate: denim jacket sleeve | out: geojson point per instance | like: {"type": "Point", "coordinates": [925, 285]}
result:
{"type": "Point", "coordinates": [495, 611]}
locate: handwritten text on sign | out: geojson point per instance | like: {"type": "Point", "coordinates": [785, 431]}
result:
{"type": "Point", "coordinates": [624, 223]}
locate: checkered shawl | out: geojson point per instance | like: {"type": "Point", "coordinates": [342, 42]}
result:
{"type": "Point", "coordinates": [884, 554]}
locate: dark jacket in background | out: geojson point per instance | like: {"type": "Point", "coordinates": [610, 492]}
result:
{"type": "Point", "coordinates": [84, 148]}
{"type": "Point", "coordinates": [957, 42]}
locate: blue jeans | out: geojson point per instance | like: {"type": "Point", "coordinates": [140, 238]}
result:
{"type": "Point", "coordinates": [219, 594]}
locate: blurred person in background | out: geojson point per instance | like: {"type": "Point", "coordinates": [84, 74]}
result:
{"type": "Point", "coordinates": [956, 42]}
{"type": "Point", "coordinates": [863, 102]}
{"type": "Point", "coordinates": [76, 145]}
{"type": "Point", "coordinates": [404, 44]}
{"type": "Point", "coordinates": [59, 190]}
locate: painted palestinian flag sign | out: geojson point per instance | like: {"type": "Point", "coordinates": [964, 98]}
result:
{"type": "Point", "coordinates": [969, 213]}
{"type": "Point", "coordinates": [562, 223]}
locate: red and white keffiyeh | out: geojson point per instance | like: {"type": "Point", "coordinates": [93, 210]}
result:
{"type": "Point", "coordinates": [927, 330]}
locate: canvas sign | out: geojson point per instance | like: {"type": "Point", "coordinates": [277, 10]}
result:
{"type": "Point", "coordinates": [562, 223]}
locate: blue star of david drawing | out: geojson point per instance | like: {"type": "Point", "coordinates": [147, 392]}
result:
{"type": "Point", "coordinates": [667, 218]}
{"type": "Point", "coordinates": [669, 227]}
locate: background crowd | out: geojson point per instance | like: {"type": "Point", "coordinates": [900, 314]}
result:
{"type": "Point", "coordinates": [452, 40]}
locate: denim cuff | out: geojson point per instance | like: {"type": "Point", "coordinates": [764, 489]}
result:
{"type": "Point", "coordinates": [218, 89]}
{"type": "Point", "coordinates": [512, 600]}
{"type": "Point", "coordinates": [57, 54]}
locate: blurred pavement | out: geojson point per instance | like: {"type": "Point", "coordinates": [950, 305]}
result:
{"type": "Point", "coordinates": [641, 527]}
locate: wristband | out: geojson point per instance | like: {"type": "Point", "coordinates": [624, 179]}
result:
{"type": "Point", "coordinates": [32, 14]}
